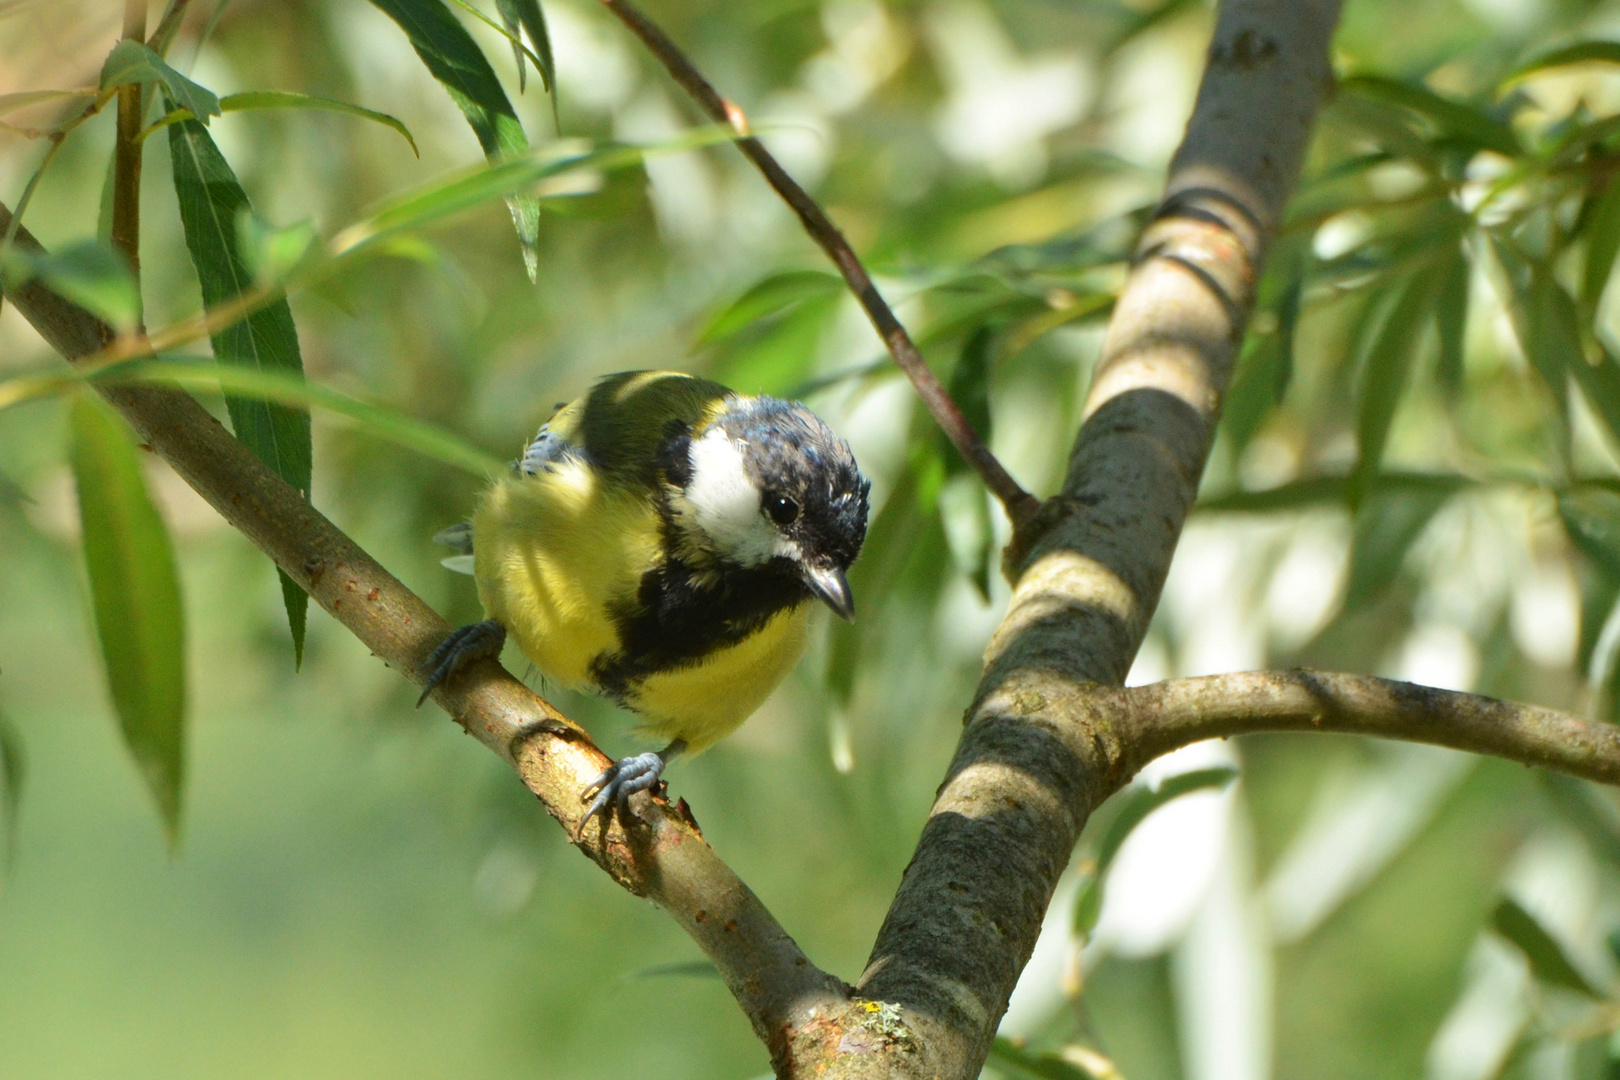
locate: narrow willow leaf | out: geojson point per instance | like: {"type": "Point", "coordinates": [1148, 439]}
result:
{"type": "Point", "coordinates": [1602, 231]}
{"type": "Point", "coordinates": [455, 60]}
{"type": "Point", "coordinates": [970, 385]}
{"type": "Point", "coordinates": [89, 273]}
{"type": "Point", "coordinates": [1548, 961]}
{"type": "Point", "coordinates": [1008, 1056]}
{"type": "Point", "coordinates": [889, 540]}
{"type": "Point", "coordinates": [211, 202]}
{"type": "Point", "coordinates": [10, 103]}
{"type": "Point", "coordinates": [1266, 365]}
{"type": "Point", "coordinates": [1599, 378]}
{"type": "Point", "coordinates": [1591, 517]}
{"type": "Point", "coordinates": [555, 164]}
{"type": "Point", "coordinates": [1592, 816]}
{"type": "Point", "coordinates": [1137, 803]}
{"type": "Point", "coordinates": [783, 351]}
{"type": "Point", "coordinates": [1388, 350]}
{"type": "Point", "coordinates": [279, 99]}
{"type": "Point", "coordinates": [1536, 306]}
{"type": "Point", "coordinates": [527, 16]}
{"type": "Point", "coordinates": [1585, 52]}
{"type": "Point", "coordinates": [135, 590]}
{"type": "Point", "coordinates": [13, 770]}
{"type": "Point", "coordinates": [289, 389]}
{"type": "Point", "coordinates": [1452, 120]}
{"type": "Point", "coordinates": [132, 62]}
{"type": "Point", "coordinates": [970, 389]}
{"type": "Point", "coordinates": [1387, 524]}
{"type": "Point", "coordinates": [775, 294]}
{"type": "Point", "coordinates": [1451, 319]}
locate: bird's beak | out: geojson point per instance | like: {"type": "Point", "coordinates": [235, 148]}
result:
{"type": "Point", "coordinates": [832, 587]}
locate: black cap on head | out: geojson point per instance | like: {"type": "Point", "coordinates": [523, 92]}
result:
{"type": "Point", "coordinates": [810, 487]}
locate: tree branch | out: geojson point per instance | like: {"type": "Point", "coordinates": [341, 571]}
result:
{"type": "Point", "coordinates": [1167, 715]}
{"type": "Point", "coordinates": [1019, 504]}
{"type": "Point", "coordinates": [666, 860]}
{"type": "Point", "coordinates": [1040, 750]}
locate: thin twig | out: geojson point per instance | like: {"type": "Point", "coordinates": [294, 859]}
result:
{"type": "Point", "coordinates": [1019, 504]}
{"type": "Point", "coordinates": [1166, 715]}
{"type": "Point", "coordinates": [126, 197]}
{"type": "Point", "coordinates": [168, 26]}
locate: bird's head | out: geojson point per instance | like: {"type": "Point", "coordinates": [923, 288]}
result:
{"type": "Point", "coordinates": [768, 482]}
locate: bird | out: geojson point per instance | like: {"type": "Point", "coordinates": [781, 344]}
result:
{"type": "Point", "coordinates": [661, 542]}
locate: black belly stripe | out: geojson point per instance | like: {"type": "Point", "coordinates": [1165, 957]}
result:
{"type": "Point", "coordinates": [678, 619]}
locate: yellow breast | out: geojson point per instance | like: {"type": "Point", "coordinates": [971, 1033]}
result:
{"type": "Point", "coordinates": [709, 700]}
{"type": "Point", "coordinates": [553, 554]}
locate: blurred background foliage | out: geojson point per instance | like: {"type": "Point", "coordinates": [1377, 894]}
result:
{"type": "Point", "coordinates": [1416, 475]}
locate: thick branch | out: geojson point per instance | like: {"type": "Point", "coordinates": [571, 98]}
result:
{"type": "Point", "coordinates": [1019, 504]}
{"type": "Point", "coordinates": [666, 861]}
{"type": "Point", "coordinates": [1164, 716]}
{"type": "Point", "coordinates": [1040, 751]}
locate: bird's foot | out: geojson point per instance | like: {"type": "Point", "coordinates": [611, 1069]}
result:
{"type": "Point", "coordinates": [472, 642]}
{"type": "Point", "coordinates": [621, 780]}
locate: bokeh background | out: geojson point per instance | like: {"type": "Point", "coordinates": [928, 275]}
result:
{"type": "Point", "coordinates": [361, 891]}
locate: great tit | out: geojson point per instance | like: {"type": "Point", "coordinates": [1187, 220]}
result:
{"type": "Point", "coordinates": [661, 542]}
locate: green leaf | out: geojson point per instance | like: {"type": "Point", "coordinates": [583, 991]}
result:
{"type": "Point", "coordinates": [1136, 803]}
{"type": "Point", "coordinates": [455, 60]}
{"type": "Point", "coordinates": [1451, 120]}
{"type": "Point", "coordinates": [970, 385]}
{"type": "Point", "coordinates": [1548, 961]}
{"type": "Point", "coordinates": [1451, 318]}
{"type": "Point", "coordinates": [132, 62]}
{"type": "Point", "coordinates": [1008, 1055]}
{"type": "Point", "coordinates": [88, 272]}
{"type": "Point", "coordinates": [1599, 378]}
{"type": "Point", "coordinates": [275, 254]}
{"type": "Point", "coordinates": [1602, 230]}
{"type": "Point", "coordinates": [1585, 52]}
{"type": "Point", "coordinates": [1543, 319]}
{"type": "Point", "coordinates": [13, 769]}
{"type": "Point", "coordinates": [781, 354]}
{"type": "Point", "coordinates": [1580, 806]}
{"type": "Point", "coordinates": [10, 103]}
{"type": "Point", "coordinates": [279, 99]}
{"type": "Point", "coordinates": [526, 14]}
{"type": "Point", "coordinates": [775, 294]}
{"type": "Point", "coordinates": [888, 542]}
{"type": "Point", "coordinates": [211, 203]}
{"type": "Point", "coordinates": [1591, 517]}
{"type": "Point", "coordinates": [1266, 365]}
{"type": "Point", "coordinates": [446, 197]}
{"type": "Point", "coordinates": [1388, 348]}
{"type": "Point", "coordinates": [135, 589]}
{"type": "Point", "coordinates": [293, 390]}
{"type": "Point", "coordinates": [1387, 524]}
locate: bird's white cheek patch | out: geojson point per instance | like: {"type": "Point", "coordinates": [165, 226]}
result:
{"type": "Point", "coordinates": [723, 501]}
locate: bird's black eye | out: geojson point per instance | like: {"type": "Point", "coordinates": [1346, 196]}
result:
{"type": "Point", "coordinates": [783, 510]}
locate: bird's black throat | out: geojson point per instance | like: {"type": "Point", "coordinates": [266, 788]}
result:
{"type": "Point", "coordinates": [680, 616]}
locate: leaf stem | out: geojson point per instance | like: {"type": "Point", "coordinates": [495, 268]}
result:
{"type": "Point", "coordinates": [1019, 504]}
{"type": "Point", "coordinates": [126, 203]}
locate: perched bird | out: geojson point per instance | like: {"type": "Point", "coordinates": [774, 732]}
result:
{"type": "Point", "coordinates": [661, 542]}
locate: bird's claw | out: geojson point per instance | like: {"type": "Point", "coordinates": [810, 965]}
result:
{"type": "Point", "coordinates": [616, 784]}
{"type": "Point", "coordinates": [472, 642]}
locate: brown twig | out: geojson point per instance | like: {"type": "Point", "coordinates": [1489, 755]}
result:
{"type": "Point", "coordinates": [1019, 504]}
{"type": "Point", "coordinates": [1166, 715]}
{"type": "Point", "coordinates": [126, 197]}
{"type": "Point", "coordinates": [168, 26]}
